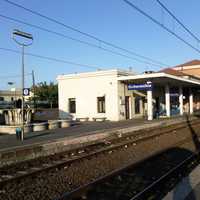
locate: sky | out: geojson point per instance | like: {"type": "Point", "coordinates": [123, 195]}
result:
{"type": "Point", "coordinates": [112, 21]}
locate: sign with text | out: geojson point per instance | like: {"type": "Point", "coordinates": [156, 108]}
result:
{"type": "Point", "coordinates": [145, 86]}
{"type": "Point", "coordinates": [174, 94]}
{"type": "Point", "coordinates": [26, 91]}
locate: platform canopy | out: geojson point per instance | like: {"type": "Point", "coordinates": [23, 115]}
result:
{"type": "Point", "coordinates": [161, 79]}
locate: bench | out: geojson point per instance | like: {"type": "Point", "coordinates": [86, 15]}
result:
{"type": "Point", "coordinates": [82, 119]}
{"type": "Point", "coordinates": [99, 119]}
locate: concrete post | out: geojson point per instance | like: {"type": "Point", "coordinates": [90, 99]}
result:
{"type": "Point", "coordinates": [181, 100]}
{"type": "Point", "coordinates": [191, 101]}
{"type": "Point", "coordinates": [149, 105]}
{"type": "Point", "coordinates": [167, 100]}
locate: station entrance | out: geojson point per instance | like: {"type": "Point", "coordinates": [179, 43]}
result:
{"type": "Point", "coordinates": [165, 95]}
{"type": "Point", "coordinates": [174, 101]}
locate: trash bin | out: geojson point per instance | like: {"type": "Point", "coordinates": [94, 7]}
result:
{"type": "Point", "coordinates": [18, 133]}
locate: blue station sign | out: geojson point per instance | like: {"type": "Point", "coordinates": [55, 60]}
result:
{"type": "Point", "coordinates": [145, 86]}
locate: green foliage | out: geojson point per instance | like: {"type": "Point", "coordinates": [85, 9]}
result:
{"type": "Point", "coordinates": [46, 92]}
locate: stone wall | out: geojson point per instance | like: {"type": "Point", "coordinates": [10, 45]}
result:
{"type": "Point", "coordinates": [46, 114]}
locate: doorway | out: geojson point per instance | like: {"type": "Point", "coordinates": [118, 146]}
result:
{"type": "Point", "coordinates": [157, 106]}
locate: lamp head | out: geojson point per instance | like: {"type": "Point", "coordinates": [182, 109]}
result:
{"type": "Point", "coordinates": [22, 34]}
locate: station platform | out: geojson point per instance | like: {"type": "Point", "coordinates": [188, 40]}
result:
{"type": "Point", "coordinates": [38, 144]}
{"type": "Point", "coordinates": [188, 188]}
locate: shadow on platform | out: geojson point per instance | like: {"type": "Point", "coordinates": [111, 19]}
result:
{"type": "Point", "coordinates": [186, 188]}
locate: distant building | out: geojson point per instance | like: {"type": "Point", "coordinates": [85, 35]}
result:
{"type": "Point", "coordinates": [118, 95]}
{"type": "Point", "coordinates": [12, 95]}
{"type": "Point", "coordinates": [190, 68]}
{"type": "Point", "coordinates": [9, 96]}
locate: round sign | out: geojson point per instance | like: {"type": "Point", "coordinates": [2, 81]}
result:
{"type": "Point", "coordinates": [26, 91]}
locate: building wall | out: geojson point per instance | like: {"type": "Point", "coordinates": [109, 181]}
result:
{"type": "Point", "coordinates": [196, 102]}
{"type": "Point", "coordinates": [8, 98]}
{"type": "Point", "coordinates": [122, 92]}
{"type": "Point", "coordinates": [86, 89]}
{"type": "Point", "coordinates": [193, 70]}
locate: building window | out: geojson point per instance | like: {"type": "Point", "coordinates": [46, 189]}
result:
{"type": "Point", "coordinates": [137, 105]}
{"type": "Point", "coordinates": [1, 98]}
{"type": "Point", "coordinates": [72, 105]}
{"type": "Point", "coordinates": [101, 105]}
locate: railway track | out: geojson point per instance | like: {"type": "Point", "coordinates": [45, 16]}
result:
{"type": "Point", "coordinates": [154, 189]}
{"type": "Point", "coordinates": [123, 184]}
{"type": "Point", "coordinates": [33, 167]}
{"type": "Point", "coordinates": [18, 173]}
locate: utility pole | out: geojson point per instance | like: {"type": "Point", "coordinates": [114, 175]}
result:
{"type": "Point", "coordinates": [33, 81]}
{"type": "Point", "coordinates": [22, 91]}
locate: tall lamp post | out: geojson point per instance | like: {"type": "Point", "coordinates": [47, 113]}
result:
{"type": "Point", "coordinates": [28, 36]}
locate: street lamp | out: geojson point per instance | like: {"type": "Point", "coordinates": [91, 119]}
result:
{"type": "Point", "coordinates": [22, 44]}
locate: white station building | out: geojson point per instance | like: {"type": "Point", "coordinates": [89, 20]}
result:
{"type": "Point", "coordinates": [119, 95]}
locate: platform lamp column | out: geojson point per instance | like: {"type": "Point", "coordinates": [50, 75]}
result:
{"type": "Point", "coordinates": [18, 33]}
{"type": "Point", "coordinates": [181, 100]}
{"type": "Point", "coordinates": [167, 100]}
{"type": "Point", "coordinates": [149, 105]}
{"type": "Point", "coordinates": [33, 81]}
{"type": "Point", "coordinates": [191, 101]}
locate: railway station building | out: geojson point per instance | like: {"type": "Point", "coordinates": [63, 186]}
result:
{"type": "Point", "coordinates": [120, 95]}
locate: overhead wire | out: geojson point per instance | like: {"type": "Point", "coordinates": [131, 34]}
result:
{"type": "Point", "coordinates": [51, 58]}
{"type": "Point", "coordinates": [78, 40]}
{"type": "Point", "coordinates": [84, 33]}
{"type": "Point", "coordinates": [177, 20]}
{"type": "Point", "coordinates": [14, 76]}
{"type": "Point", "coordinates": [159, 24]}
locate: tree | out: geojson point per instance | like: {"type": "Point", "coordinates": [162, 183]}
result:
{"type": "Point", "coordinates": [44, 92]}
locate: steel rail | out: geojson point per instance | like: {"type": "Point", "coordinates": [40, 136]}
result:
{"type": "Point", "coordinates": [112, 147]}
{"type": "Point", "coordinates": [165, 176]}
{"type": "Point", "coordinates": [82, 190]}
